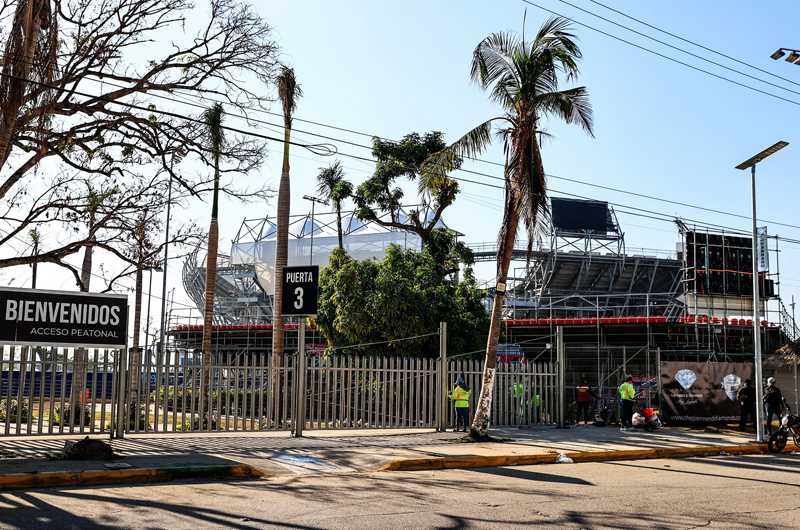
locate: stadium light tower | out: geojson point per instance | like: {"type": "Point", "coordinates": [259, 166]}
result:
{"type": "Point", "coordinates": [794, 55]}
{"type": "Point", "coordinates": [751, 163]}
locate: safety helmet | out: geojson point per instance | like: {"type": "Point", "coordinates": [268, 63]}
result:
{"type": "Point", "coordinates": [460, 380]}
{"type": "Point", "coordinates": [771, 381]}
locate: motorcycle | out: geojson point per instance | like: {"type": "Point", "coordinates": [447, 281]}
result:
{"type": "Point", "coordinates": [790, 423]}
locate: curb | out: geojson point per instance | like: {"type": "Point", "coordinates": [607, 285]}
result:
{"type": "Point", "coordinates": [119, 476]}
{"type": "Point", "coordinates": [458, 462]}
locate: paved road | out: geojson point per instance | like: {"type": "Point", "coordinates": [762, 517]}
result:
{"type": "Point", "coordinates": [732, 493]}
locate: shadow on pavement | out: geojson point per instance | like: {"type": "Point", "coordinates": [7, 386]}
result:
{"type": "Point", "coordinates": [525, 474]}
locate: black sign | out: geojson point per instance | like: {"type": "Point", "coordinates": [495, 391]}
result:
{"type": "Point", "coordinates": [37, 317]}
{"type": "Point", "coordinates": [702, 393]}
{"type": "Point", "coordinates": [300, 291]}
{"type": "Point", "coordinates": [577, 215]}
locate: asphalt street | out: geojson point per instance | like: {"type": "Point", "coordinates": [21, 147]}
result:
{"type": "Point", "coordinates": [725, 492]}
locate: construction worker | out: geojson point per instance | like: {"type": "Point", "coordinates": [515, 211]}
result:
{"type": "Point", "coordinates": [626, 395]}
{"type": "Point", "coordinates": [460, 395]}
{"type": "Point", "coordinates": [519, 395]}
{"type": "Point", "coordinates": [583, 397]}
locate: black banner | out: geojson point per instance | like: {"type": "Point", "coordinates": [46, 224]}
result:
{"type": "Point", "coordinates": [693, 393]}
{"type": "Point", "coordinates": [58, 318]}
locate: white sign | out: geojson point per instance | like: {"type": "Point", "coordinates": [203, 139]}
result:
{"type": "Point", "coordinates": [763, 253]}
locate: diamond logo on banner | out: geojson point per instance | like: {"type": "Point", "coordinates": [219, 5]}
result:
{"type": "Point", "coordinates": [686, 378]}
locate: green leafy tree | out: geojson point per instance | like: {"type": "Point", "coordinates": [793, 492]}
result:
{"type": "Point", "coordinates": [405, 295]}
{"type": "Point", "coordinates": [523, 78]}
{"type": "Point", "coordinates": [379, 195]}
{"type": "Point", "coordinates": [334, 188]}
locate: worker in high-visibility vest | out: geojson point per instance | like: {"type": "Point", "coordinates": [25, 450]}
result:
{"type": "Point", "coordinates": [519, 395]}
{"type": "Point", "coordinates": [460, 395]}
{"type": "Point", "coordinates": [626, 395]}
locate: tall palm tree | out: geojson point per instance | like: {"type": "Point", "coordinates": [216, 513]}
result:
{"type": "Point", "coordinates": [216, 138]}
{"type": "Point", "coordinates": [523, 78]}
{"type": "Point", "coordinates": [288, 92]}
{"type": "Point", "coordinates": [334, 188]}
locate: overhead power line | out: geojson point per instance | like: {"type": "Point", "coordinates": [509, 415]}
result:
{"type": "Point", "coordinates": [695, 44]}
{"type": "Point", "coordinates": [662, 55]}
{"type": "Point", "coordinates": [312, 146]}
{"type": "Point", "coordinates": [678, 49]}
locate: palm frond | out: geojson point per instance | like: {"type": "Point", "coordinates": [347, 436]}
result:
{"type": "Point", "coordinates": [438, 165]}
{"type": "Point", "coordinates": [213, 117]}
{"type": "Point", "coordinates": [571, 105]}
{"type": "Point", "coordinates": [493, 59]}
{"type": "Point", "coordinates": [328, 178]}
{"type": "Point", "coordinates": [288, 92]}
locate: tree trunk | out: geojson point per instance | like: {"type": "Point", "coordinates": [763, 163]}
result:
{"type": "Point", "coordinates": [281, 259]}
{"type": "Point", "coordinates": [79, 370]}
{"type": "Point", "coordinates": [339, 223]}
{"type": "Point", "coordinates": [483, 410]}
{"type": "Point", "coordinates": [208, 311]}
{"type": "Point", "coordinates": [135, 353]}
{"type": "Point", "coordinates": [22, 60]}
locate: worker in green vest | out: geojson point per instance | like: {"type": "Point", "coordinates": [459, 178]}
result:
{"type": "Point", "coordinates": [460, 395]}
{"type": "Point", "coordinates": [626, 395]}
{"type": "Point", "coordinates": [519, 393]}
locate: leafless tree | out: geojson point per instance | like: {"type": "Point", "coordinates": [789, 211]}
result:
{"type": "Point", "coordinates": [80, 111]}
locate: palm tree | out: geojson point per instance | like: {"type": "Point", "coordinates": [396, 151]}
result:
{"type": "Point", "coordinates": [523, 78]}
{"type": "Point", "coordinates": [36, 240]}
{"type": "Point", "coordinates": [288, 92]}
{"type": "Point", "coordinates": [216, 137]}
{"type": "Point", "coordinates": [334, 188]}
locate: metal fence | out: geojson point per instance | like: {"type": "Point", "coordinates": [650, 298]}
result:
{"type": "Point", "coordinates": [525, 393]}
{"type": "Point", "coordinates": [244, 392]}
{"type": "Point", "coordinates": [345, 392]}
{"type": "Point", "coordinates": [71, 391]}
{"type": "Point", "coordinates": [57, 390]}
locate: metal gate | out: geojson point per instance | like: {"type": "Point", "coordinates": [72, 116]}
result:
{"type": "Point", "coordinates": [525, 393]}
{"type": "Point", "coordinates": [71, 390]}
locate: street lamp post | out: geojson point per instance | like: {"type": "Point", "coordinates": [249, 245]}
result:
{"type": "Point", "coordinates": [793, 57]}
{"type": "Point", "coordinates": [314, 201]}
{"type": "Point", "coordinates": [751, 163]}
{"type": "Point", "coordinates": [149, 296]}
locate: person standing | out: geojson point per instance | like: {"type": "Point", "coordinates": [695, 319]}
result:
{"type": "Point", "coordinates": [583, 398]}
{"type": "Point", "coordinates": [773, 399]}
{"type": "Point", "coordinates": [519, 397]}
{"type": "Point", "coordinates": [460, 395]}
{"type": "Point", "coordinates": [746, 396]}
{"type": "Point", "coordinates": [626, 394]}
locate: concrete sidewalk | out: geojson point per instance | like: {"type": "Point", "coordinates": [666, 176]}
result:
{"type": "Point", "coordinates": [160, 457]}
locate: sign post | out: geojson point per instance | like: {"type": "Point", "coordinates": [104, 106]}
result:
{"type": "Point", "coordinates": [300, 287]}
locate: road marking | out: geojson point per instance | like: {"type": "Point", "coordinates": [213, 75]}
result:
{"type": "Point", "coordinates": [305, 465]}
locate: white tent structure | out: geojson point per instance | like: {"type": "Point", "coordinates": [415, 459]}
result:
{"type": "Point", "coordinates": [245, 278]}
